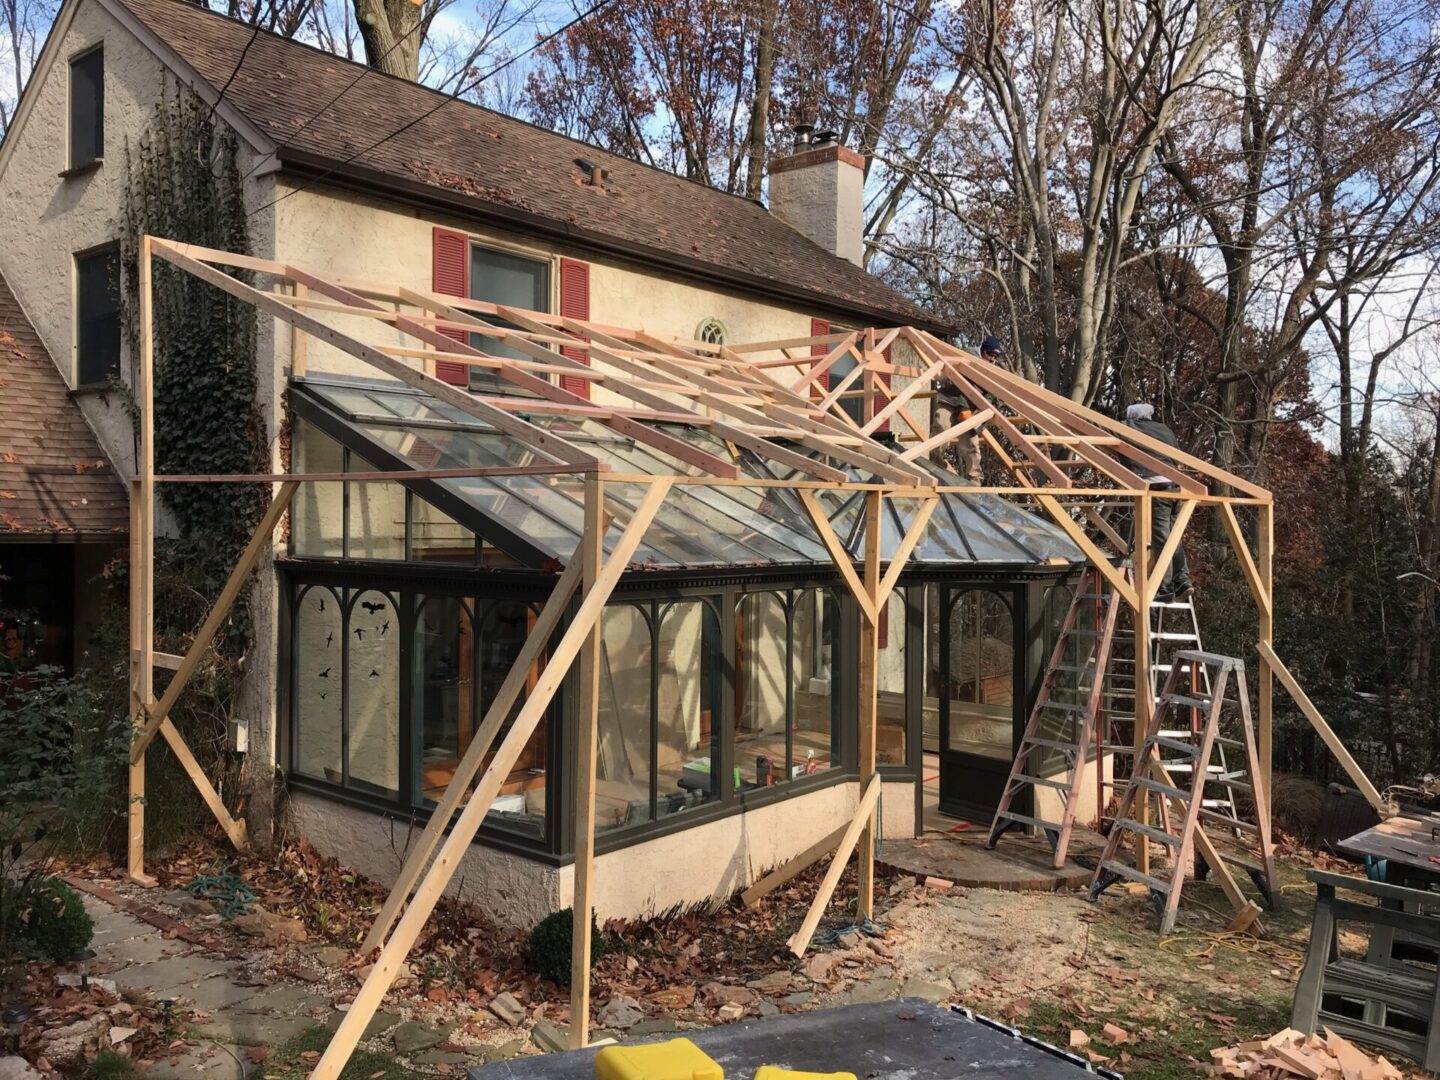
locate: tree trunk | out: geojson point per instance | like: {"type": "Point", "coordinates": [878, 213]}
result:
{"type": "Point", "coordinates": [392, 34]}
{"type": "Point", "coordinates": [760, 108]}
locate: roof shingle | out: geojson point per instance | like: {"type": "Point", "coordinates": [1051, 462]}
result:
{"type": "Point", "coordinates": [54, 479]}
{"type": "Point", "coordinates": [498, 163]}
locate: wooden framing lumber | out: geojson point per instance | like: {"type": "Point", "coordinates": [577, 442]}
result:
{"type": "Point", "coordinates": [135, 780]}
{"type": "Point", "coordinates": [1265, 684]}
{"type": "Point", "coordinates": [908, 542]}
{"type": "Point", "coordinates": [143, 565]}
{"type": "Point", "coordinates": [1166, 555]}
{"type": "Point", "coordinates": [841, 557]}
{"type": "Point", "coordinates": [1116, 427]}
{"type": "Point", "coordinates": [870, 691]}
{"type": "Point", "coordinates": [1258, 588]}
{"type": "Point", "coordinates": [791, 869]}
{"type": "Point", "coordinates": [582, 904]}
{"type": "Point", "coordinates": [1085, 544]}
{"type": "Point", "coordinates": [234, 829]}
{"type": "Point", "coordinates": [1327, 734]}
{"type": "Point", "coordinates": [259, 541]}
{"type": "Point", "coordinates": [536, 642]}
{"type": "Point", "coordinates": [950, 434]}
{"type": "Point", "coordinates": [900, 398]}
{"type": "Point", "coordinates": [800, 941]}
{"type": "Point", "coordinates": [627, 388]}
{"type": "Point", "coordinates": [527, 433]}
{"type": "Point", "coordinates": [821, 365]}
{"type": "Point", "coordinates": [1144, 700]}
{"type": "Point", "coordinates": [428, 892]}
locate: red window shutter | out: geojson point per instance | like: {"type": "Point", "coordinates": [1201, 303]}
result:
{"type": "Point", "coordinates": [575, 304]}
{"type": "Point", "coordinates": [819, 328]}
{"type": "Point", "coordinates": [450, 276]}
{"type": "Point", "coordinates": [880, 399]}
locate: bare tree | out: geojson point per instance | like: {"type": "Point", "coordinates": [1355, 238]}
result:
{"type": "Point", "coordinates": [1047, 170]}
{"type": "Point", "coordinates": [24, 24]}
{"type": "Point", "coordinates": [1273, 158]}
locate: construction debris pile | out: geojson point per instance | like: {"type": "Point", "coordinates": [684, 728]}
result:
{"type": "Point", "coordinates": [1291, 1053]}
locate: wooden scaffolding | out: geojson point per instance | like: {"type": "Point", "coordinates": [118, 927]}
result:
{"type": "Point", "coordinates": [777, 399]}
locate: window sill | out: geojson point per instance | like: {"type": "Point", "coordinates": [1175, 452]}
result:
{"type": "Point", "coordinates": [93, 389]}
{"type": "Point", "coordinates": [81, 170]}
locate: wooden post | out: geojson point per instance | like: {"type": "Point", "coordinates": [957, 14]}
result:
{"type": "Point", "coordinates": [586, 728]}
{"type": "Point", "coordinates": [135, 859]}
{"type": "Point", "coordinates": [260, 539]}
{"type": "Point", "coordinates": [143, 552]}
{"type": "Point", "coordinates": [869, 796]}
{"type": "Point", "coordinates": [519, 678]}
{"type": "Point", "coordinates": [1264, 682]}
{"type": "Point", "coordinates": [298, 338]}
{"type": "Point", "coordinates": [428, 893]}
{"type": "Point", "coordinates": [1140, 561]}
{"type": "Point", "coordinates": [870, 687]}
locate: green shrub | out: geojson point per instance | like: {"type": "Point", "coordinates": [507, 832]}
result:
{"type": "Point", "coordinates": [54, 923]}
{"type": "Point", "coordinates": [547, 950]}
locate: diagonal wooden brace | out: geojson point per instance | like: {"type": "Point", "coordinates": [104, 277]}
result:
{"type": "Point", "coordinates": [157, 712]}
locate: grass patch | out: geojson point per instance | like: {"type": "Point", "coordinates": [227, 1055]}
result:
{"type": "Point", "coordinates": [294, 1059]}
{"type": "Point", "coordinates": [108, 1065]}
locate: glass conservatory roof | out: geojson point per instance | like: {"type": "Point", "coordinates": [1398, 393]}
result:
{"type": "Point", "coordinates": [538, 518]}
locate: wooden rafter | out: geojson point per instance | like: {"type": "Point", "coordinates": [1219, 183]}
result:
{"type": "Point", "coordinates": [758, 397]}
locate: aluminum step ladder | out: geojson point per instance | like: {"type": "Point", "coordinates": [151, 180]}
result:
{"type": "Point", "coordinates": [1063, 720]}
{"type": "Point", "coordinates": [1226, 717]}
{"type": "Point", "coordinates": [1175, 627]}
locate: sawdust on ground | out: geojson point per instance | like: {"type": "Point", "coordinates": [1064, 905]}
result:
{"type": "Point", "coordinates": [1005, 941]}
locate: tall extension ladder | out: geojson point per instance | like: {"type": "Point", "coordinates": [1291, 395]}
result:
{"type": "Point", "coordinates": [1174, 627]}
{"type": "Point", "coordinates": [1150, 778]}
{"type": "Point", "coordinates": [1089, 666]}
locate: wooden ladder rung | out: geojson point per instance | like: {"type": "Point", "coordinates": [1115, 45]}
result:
{"type": "Point", "coordinates": [1160, 788]}
{"type": "Point", "coordinates": [1024, 819]}
{"type": "Point", "coordinates": [1228, 822]}
{"type": "Point", "coordinates": [1040, 781]}
{"type": "Point", "coordinates": [1168, 839]}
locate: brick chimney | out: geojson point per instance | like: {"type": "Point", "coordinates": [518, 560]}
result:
{"type": "Point", "coordinates": [817, 189]}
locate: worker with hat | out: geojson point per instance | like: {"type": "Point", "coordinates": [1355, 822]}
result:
{"type": "Point", "coordinates": [1177, 585]}
{"type": "Point", "coordinates": [966, 445]}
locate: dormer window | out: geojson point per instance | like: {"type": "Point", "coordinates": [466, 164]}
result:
{"type": "Point", "coordinates": [87, 109]}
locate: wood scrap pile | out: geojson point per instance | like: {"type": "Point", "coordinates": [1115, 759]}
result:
{"type": "Point", "coordinates": [1290, 1053]}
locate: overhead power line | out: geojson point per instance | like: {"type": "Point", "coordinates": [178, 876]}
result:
{"type": "Point", "coordinates": [446, 100]}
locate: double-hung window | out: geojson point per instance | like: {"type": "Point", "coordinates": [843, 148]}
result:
{"type": "Point", "coordinates": [510, 280]}
{"type": "Point", "coordinates": [87, 109]}
{"type": "Point", "coordinates": [97, 316]}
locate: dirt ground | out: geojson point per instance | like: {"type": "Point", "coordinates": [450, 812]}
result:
{"type": "Point", "coordinates": [1051, 964]}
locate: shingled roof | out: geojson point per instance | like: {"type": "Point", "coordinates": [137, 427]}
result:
{"type": "Point", "coordinates": [53, 477]}
{"type": "Point", "coordinates": [497, 167]}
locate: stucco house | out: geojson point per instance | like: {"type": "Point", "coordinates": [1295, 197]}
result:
{"type": "Point", "coordinates": [728, 718]}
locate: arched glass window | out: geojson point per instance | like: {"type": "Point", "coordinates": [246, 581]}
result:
{"type": "Point", "coordinates": [318, 695]}
{"type": "Point", "coordinates": [372, 689]}
{"type": "Point", "coordinates": [622, 764]}
{"type": "Point", "coordinates": [786, 700]}
{"type": "Point", "coordinates": [981, 683]}
{"type": "Point", "coordinates": [711, 331]}
{"type": "Point", "coordinates": [443, 713]}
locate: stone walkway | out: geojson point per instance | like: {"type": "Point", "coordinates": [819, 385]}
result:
{"type": "Point", "coordinates": [135, 955]}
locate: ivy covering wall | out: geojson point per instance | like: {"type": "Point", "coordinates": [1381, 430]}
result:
{"type": "Point", "coordinates": [183, 182]}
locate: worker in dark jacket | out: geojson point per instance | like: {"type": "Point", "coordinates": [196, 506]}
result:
{"type": "Point", "coordinates": [1177, 584]}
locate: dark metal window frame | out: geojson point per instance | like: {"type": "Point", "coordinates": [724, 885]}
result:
{"type": "Point", "coordinates": [110, 250]}
{"type": "Point", "coordinates": [75, 165]}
